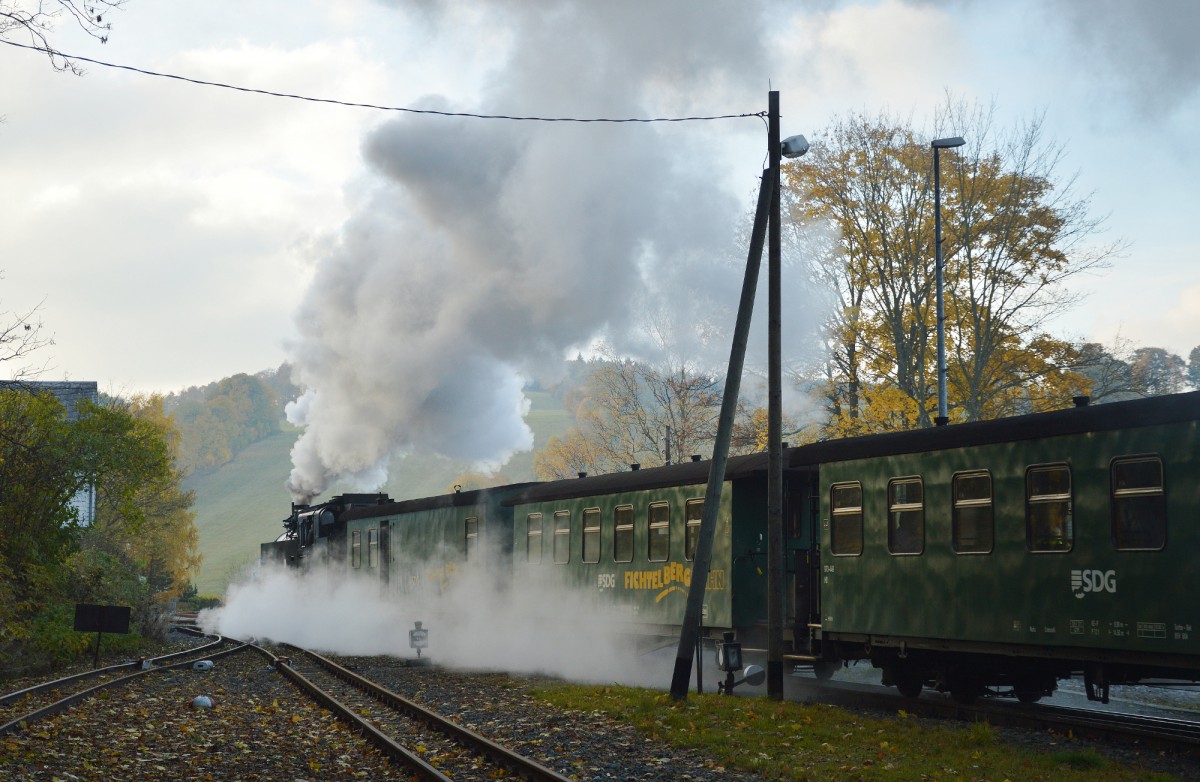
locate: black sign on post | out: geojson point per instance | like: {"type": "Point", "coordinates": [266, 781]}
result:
{"type": "Point", "coordinates": [97, 619]}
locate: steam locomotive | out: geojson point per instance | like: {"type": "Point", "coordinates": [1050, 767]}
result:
{"type": "Point", "coordinates": [995, 557]}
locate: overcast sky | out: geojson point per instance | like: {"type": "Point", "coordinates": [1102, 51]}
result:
{"type": "Point", "coordinates": [171, 232]}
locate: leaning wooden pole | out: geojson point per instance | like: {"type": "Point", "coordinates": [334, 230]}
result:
{"type": "Point", "coordinates": [689, 635]}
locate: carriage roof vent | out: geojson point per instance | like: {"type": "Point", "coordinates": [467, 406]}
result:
{"type": "Point", "coordinates": [583, 475]}
{"type": "Point", "coordinates": [695, 457]}
{"type": "Point", "coordinates": [635, 467]}
{"type": "Point", "coordinates": [1081, 401]}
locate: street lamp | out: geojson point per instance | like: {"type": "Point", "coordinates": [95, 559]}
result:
{"type": "Point", "coordinates": [794, 147]}
{"type": "Point", "coordinates": [938, 145]}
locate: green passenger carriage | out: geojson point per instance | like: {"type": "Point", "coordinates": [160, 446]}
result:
{"type": "Point", "coordinates": [1018, 551]}
{"type": "Point", "coordinates": [629, 539]}
{"type": "Point", "coordinates": [997, 556]}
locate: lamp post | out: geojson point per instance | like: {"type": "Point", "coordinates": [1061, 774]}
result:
{"type": "Point", "coordinates": [766, 221]}
{"type": "Point", "coordinates": [938, 145]}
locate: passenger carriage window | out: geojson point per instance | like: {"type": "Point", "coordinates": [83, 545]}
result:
{"type": "Point", "coordinates": [692, 513]}
{"type": "Point", "coordinates": [533, 537]}
{"type": "Point", "coordinates": [623, 534]}
{"type": "Point", "coordinates": [658, 521]}
{"type": "Point", "coordinates": [562, 537]}
{"type": "Point", "coordinates": [591, 535]}
{"type": "Point", "coordinates": [471, 535]}
{"type": "Point", "coordinates": [355, 549]}
{"type": "Point", "coordinates": [1139, 506]}
{"type": "Point", "coordinates": [846, 527]}
{"type": "Point", "coordinates": [372, 548]}
{"type": "Point", "coordinates": [1048, 522]}
{"type": "Point", "coordinates": [906, 516]}
{"type": "Point", "coordinates": [973, 523]}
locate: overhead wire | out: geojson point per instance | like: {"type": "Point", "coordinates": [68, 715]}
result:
{"type": "Point", "coordinates": [353, 104]}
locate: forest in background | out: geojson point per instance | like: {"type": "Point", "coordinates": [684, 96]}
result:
{"type": "Point", "coordinates": [219, 420]}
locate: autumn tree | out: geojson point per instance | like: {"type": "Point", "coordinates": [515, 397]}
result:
{"type": "Point", "coordinates": [625, 411]}
{"type": "Point", "coordinates": [628, 411]}
{"type": "Point", "coordinates": [37, 523]}
{"type": "Point", "coordinates": [631, 410]}
{"type": "Point", "coordinates": [143, 539]}
{"type": "Point", "coordinates": [1014, 235]}
{"type": "Point", "coordinates": [141, 544]}
{"type": "Point", "coordinates": [1157, 371]}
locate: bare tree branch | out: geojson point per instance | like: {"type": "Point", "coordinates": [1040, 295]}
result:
{"type": "Point", "coordinates": [35, 19]}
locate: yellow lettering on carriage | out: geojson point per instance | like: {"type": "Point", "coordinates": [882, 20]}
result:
{"type": "Point", "coordinates": [668, 575]}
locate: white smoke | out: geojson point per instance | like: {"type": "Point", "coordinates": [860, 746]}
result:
{"type": "Point", "coordinates": [485, 250]}
{"type": "Point", "coordinates": [477, 618]}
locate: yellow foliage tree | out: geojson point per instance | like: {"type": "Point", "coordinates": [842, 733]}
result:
{"type": "Point", "coordinates": [1014, 235]}
{"type": "Point", "coordinates": [149, 534]}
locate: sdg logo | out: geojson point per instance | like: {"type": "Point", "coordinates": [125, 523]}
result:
{"type": "Point", "coordinates": [1084, 581]}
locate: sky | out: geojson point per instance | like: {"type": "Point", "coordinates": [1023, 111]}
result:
{"type": "Point", "coordinates": [171, 234]}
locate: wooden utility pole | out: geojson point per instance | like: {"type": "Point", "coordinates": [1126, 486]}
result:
{"type": "Point", "coordinates": [689, 634]}
{"type": "Point", "coordinates": [774, 416]}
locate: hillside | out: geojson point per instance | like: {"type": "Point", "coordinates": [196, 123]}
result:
{"type": "Point", "coordinates": [242, 503]}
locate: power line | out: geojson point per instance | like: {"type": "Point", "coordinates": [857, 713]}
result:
{"type": "Point", "coordinates": [404, 109]}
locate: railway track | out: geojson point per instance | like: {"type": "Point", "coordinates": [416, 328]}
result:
{"type": "Point", "coordinates": [29, 705]}
{"type": "Point", "coordinates": [433, 746]}
{"type": "Point", "coordinates": [1163, 732]}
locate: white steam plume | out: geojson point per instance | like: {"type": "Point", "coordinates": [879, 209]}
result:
{"type": "Point", "coordinates": [478, 619]}
{"type": "Point", "coordinates": [484, 251]}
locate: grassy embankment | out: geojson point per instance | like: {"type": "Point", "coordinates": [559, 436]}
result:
{"type": "Point", "coordinates": [242, 504]}
{"type": "Point", "coordinates": [790, 741]}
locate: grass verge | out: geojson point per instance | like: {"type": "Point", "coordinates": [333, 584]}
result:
{"type": "Point", "coordinates": [790, 741]}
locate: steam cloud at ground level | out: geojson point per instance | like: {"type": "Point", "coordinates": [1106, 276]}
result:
{"type": "Point", "coordinates": [477, 620]}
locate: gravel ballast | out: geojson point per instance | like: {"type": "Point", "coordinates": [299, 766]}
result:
{"type": "Point", "coordinates": [262, 728]}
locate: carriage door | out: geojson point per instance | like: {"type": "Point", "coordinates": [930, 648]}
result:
{"type": "Point", "coordinates": [385, 554]}
{"type": "Point", "coordinates": [800, 509]}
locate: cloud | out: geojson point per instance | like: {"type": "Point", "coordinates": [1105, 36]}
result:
{"type": "Point", "coordinates": [162, 230]}
{"type": "Point", "coordinates": [851, 54]}
{"type": "Point", "coordinates": [1148, 49]}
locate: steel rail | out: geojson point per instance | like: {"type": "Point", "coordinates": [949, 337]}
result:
{"type": "Point", "coordinates": [1164, 732]}
{"type": "Point", "coordinates": [20, 723]}
{"type": "Point", "coordinates": [1171, 731]}
{"type": "Point", "coordinates": [111, 669]}
{"type": "Point", "coordinates": [519, 764]}
{"type": "Point", "coordinates": [343, 712]}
